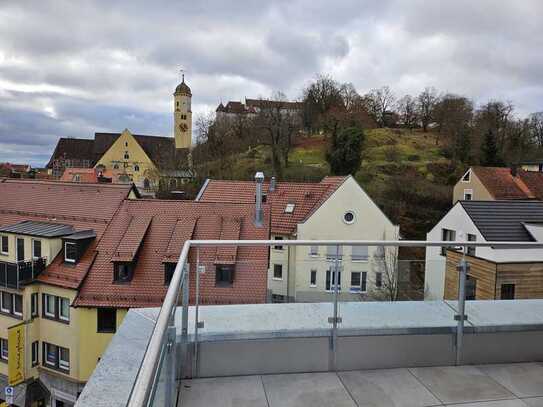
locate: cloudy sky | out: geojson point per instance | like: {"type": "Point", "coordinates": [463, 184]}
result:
{"type": "Point", "coordinates": [70, 68]}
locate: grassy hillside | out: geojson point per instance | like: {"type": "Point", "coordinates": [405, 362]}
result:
{"type": "Point", "coordinates": [403, 171]}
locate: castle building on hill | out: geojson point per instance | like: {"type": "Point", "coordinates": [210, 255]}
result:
{"type": "Point", "coordinates": [252, 107]}
{"type": "Point", "coordinates": [147, 161]}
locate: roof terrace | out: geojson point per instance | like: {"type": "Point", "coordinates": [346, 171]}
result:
{"type": "Point", "coordinates": [409, 353]}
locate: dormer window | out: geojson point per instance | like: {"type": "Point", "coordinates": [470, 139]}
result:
{"type": "Point", "coordinates": [76, 178]}
{"type": "Point", "coordinates": [264, 198]}
{"type": "Point", "coordinates": [289, 208]}
{"type": "Point", "coordinates": [70, 252]}
{"type": "Point", "coordinates": [123, 272]}
{"type": "Point", "coordinates": [169, 269]}
{"type": "Point", "coordinates": [4, 245]}
{"type": "Point", "coordinates": [224, 275]}
{"type": "Point", "coordinates": [76, 244]}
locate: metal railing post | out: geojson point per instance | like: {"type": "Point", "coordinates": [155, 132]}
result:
{"type": "Point", "coordinates": [184, 320]}
{"type": "Point", "coordinates": [170, 399]}
{"type": "Point", "coordinates": [196, 315]}
{"type": "Point", "coordinates": [335, 319]}
{"type": "Point", "coordinates": [461, 317]}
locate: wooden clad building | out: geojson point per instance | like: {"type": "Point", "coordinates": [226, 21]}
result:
{"type": "Point", "coordinates": [488, 280]}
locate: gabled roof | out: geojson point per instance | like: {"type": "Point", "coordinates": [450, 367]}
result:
{"type": "Point", "coordinates": [41, 229]}
{"type": "Point", "coordinates": [60, 201]}
{"type": "Point", "coordinates": [502, 184]}
{"type": "Point", "coordinates": [501, 221]}
{"type": "Point", "coordinates": [160, 150]}
{"type": "Point", "coordinates": [172, 223]}
{"type": "Point", "coordinates": [74, 149]}
{"type": "Point", "coordinates": [306, 198]}
{"type": "Point", "coordinates": [81, 207]}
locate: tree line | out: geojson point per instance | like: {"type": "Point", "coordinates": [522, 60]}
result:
{"type": "Point", "coordinates": [488, 134]}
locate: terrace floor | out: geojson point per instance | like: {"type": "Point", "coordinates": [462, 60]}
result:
{"type": "Point", "coordinates": [505, 385]}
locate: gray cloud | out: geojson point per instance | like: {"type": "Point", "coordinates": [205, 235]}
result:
{"type": "Point", "coordinates": [72, 68]}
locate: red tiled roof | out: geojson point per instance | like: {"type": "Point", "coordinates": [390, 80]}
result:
{"type": "Point", "coordinates": [61, 201]}
{"type": "Point", "coordinates": [306, 197]}
{"type": "Point", "coordinates": [132, 239]}
{"type": "Point", "coordinates": [533, 181]}
{"type": "Point", "coordinates": [183, 230]}
{"type": "Point", "coordinates": [83, 207]}
{"type": "Point", "coordinates": [230, 230]}
{"type": "Point", "coordinates": [172, 222]}
{"type": "Point", "coordinates": [501, 183]}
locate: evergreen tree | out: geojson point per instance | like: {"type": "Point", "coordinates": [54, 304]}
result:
{"type": "Point", "coordinates": [490, 157]}
{"type": "Point", "coordinates": [345, 152]}
{"type": "Point", "coordinates": [463, 145]}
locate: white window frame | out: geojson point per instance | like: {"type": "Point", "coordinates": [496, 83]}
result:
{"type": "Point", "coordinates": [331, 271]}
{"type": "Point", "coordinates": [279, 247]}
{"type": "Point", "coordinates": [59, 304]}
{"type": "Point", "coordinates": [63, 363]}
{"type": "Point", "coordinates": [356, 288]}
{"type": "Point", "coordinates": [35, 353]}
{"type": "Point", "coordinates": [5, 310]}
{"type": "Point", "coordinates": [289, 208]}
{"type": "Point", "coordinates": [34, 305]}
{"type": "Point", "coordinates": [310, 274]}
{"type": "Point", "coordinates": [1, 245]}
{"type": "Point", "coordinates": [46, 351]}
{"type": "Point", "coordinates": [273, 271]}
{"type": "Point", "coordinates": [313, 253]}
{"type": "Point", "coordinates": [66, 259]}
{"type": "Point", "coordinates": [364, 277]}
{"type": "Point", "coordinates": [41, 248]}
{"type": "Point", "coordinates": [468, 192]}
{"type": "Point", "coordinates": [13, 296]}
{"type": "Point", "coordinates": [45, 310]}
{"type": "Point", "coordinates": [2, 342]}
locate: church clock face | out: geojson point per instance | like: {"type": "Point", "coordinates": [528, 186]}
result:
{"type": "Point", "coordinates": [183, 127]}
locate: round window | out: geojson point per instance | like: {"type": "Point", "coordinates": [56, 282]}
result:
{"type": "Point", "coordinates": [348, 217]}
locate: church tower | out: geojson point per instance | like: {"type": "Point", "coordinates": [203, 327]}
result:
{"type": "Point", "coordinates": [182, 116]}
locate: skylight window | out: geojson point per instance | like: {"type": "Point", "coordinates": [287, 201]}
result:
{"type": "Point", "coordinates": [289, 208]}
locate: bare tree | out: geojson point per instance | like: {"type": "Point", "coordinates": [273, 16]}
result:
{"type": "Point", "coordinates": [319, 97]}
{"type": "Point", "coordinates": [277, 125]}
{"type": "Point", "coordinates": [385, 263]}
{"type": "Point", "coordinates": [536, 128]}
{"type": "Point", "coordinates": [426, 102]}
{"type": "Point", "coordinates": [407, 109]}
{"type": "Point", "coordinates": [378, 102]}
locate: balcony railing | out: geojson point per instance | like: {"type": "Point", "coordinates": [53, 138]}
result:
{"type": "Point", "coordinates": [16, 275]}
{"type": "Point", "coordinates": [156, 383]}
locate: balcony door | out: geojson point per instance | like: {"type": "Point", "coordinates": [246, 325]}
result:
{"type": "Point", "coordinates": [20, 249]}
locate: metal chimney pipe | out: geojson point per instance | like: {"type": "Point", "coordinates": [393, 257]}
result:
{"type": "Point", "coordinates": [273, 183]}
{"type": "Point", "coordinates": [259, 213]}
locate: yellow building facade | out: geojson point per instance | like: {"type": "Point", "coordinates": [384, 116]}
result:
{"type": "Point", "coordinates": [127, 155]}
{"type": "Point", "coordinates": [61, 344]}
